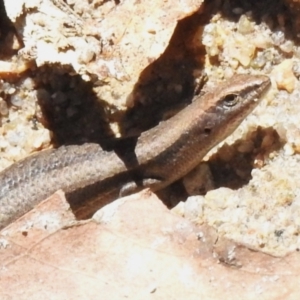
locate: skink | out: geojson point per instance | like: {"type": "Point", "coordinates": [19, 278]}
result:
{"type": "Point", "coordinates": [92, 177]}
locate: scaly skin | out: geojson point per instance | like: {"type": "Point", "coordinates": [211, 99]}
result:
{"type": "Point", "coordinates": [91, 177]}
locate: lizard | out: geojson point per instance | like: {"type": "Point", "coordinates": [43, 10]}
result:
{"type": "Point", "coordinates": [92, 177]}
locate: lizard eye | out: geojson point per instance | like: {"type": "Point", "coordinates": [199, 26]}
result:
{"type": "Point", "coordinates": [230, 100]}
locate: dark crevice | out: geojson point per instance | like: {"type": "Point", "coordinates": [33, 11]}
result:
{"type": "Point", "coordinates": [168, 84]}
{"type": "Point", "coordinates": [236, 171]}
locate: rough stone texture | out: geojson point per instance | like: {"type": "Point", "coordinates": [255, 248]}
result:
{"type": "Point", "coordinates": [112, 40]}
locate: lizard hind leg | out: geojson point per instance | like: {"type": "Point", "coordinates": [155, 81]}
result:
{"type": "Point", "coordinates": [132, 187]}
